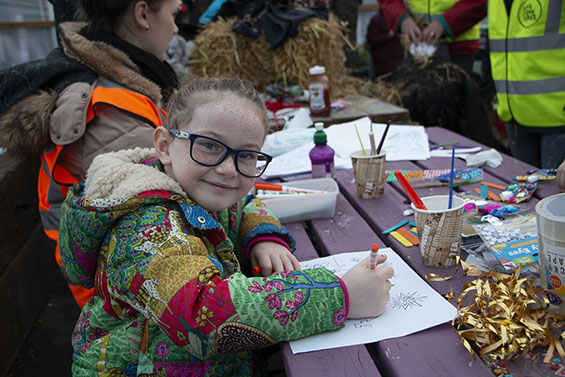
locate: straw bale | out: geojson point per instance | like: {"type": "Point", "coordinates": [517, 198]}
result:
{"type": "Point", "coordinates": [221, 52]}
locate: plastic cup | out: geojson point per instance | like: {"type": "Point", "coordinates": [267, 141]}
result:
{"type": "Point", "coordinates": [369, 173]}
{"type": "Point", "coordinates": [439, 230]}
{"type": "Point", "coordinates": [550, 219]}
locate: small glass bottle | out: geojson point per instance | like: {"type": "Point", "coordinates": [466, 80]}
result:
{"type": "Point", "coordinates": [322, 155]}
{"type": "Point", "coordinates": [319, 89]}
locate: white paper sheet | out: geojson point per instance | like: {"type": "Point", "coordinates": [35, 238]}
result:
{"type": "Point", "coordinates": [297, 161]}
{"type": "Point", "coordinates": [413, 306]}
{"type": "Point", "coordinates": [401, 142]}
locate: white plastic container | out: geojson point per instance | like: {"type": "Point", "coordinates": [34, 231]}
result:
{"type": "Point", "coordinates": [550, 215]}
{"type": "Point", "coordinates": [292, 208]}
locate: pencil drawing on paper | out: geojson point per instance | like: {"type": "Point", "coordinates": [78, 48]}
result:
{"type": "Point", "coordinates": [406, 300]}
{"type": "Point", "coordinates": [409, 296]}
{"type": "Point", "coordinates": [364, 323]}
{"type": "Point", "coordinates": [337, 267]}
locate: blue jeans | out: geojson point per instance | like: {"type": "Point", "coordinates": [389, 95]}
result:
{"type": "Point", "coordinates": [543, 150]}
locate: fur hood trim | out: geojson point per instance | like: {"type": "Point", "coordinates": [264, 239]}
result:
{"type": "Point", "coordinates": [24, 130]}
{"type": "Point", "coordinates": [119, 175]}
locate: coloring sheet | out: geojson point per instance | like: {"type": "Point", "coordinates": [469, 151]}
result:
{"type": "Point", "coordinates": [401, 142]}
{"type": "Point", "coordinates": [414, 306]}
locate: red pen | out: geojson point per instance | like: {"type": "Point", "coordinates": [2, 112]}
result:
{"type": "Point", "coordinates": [373, 256]}
{"type": "Point", "coordinates": [418, 203]}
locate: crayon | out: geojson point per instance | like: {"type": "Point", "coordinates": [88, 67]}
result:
{"type": "Point", "coordinates": [256, 270]}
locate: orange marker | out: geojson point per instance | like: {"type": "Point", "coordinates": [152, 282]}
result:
{"type": "Point", "coordinates": [373, 257]}
{"type": "Point", "coordinates": [256, 270]}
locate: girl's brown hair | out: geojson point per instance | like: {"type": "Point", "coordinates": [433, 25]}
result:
{"type": "Point", "coordinates": [201, 90]}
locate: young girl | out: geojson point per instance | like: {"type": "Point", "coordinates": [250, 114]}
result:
{"type": "Point", "coordinates": [163, 235]}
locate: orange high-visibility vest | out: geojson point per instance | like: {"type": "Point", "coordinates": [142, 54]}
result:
{"type": "Point", "coordinates": [54, 180]}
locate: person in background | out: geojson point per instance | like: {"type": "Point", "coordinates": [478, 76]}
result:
{"type": "Point", "coordinates": [102, 91]}
{"type": "Point", "coordinates": [387, 51]}
{"type": "Point", "coordinates": [456, 21]}
{"type": "Point", "coordinates": [171, 232]}
{"type": "Point", "coordinates": [181, 44]}
{"type": "Point", "coordinates": [527, 51]}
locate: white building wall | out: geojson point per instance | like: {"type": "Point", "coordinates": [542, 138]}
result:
{"type": "Point", "coordinates": [22, 45]}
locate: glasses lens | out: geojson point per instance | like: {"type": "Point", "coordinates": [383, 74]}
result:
{"type": "Point", "coordinates": [207, 151]}
{"type": "Point", "coordinates": [251, 163]}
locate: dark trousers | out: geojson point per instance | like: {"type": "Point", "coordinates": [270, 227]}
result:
{"type": "Point", "coordinates": [542, 149]}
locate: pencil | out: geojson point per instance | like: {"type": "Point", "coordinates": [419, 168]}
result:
{"type": "Point", "coordinates": [373, 256]}
{"type": "Point", "coordinates": [383, 137]}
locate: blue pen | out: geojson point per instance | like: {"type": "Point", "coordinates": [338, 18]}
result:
{"type": "Point", "coordinates": [451, 177]}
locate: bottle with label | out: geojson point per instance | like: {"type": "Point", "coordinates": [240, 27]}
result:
{"type": "Point", "coordinates": [322, 155]}
{"type": "Point", "coordinates": [319, 88]}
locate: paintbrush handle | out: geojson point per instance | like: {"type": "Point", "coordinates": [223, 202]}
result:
{"type": "Point", "coordinates": [372, 140]}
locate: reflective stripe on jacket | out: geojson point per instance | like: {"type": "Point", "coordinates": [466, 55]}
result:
{"type": "Point", "coordinates": [527, 54]}
{"type": "Point", "coordinates": [429, 10]}
{"type": "Point", "coordinates": [54, 180]}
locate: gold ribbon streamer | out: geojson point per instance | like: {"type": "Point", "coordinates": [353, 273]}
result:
{"type": "Point", "coordinates": [504, 316]}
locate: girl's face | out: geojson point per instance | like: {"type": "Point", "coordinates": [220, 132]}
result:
{"type": "Point", "coordinates": [234, 121]}
{"type": "Point", "coordinates": [161, 28]}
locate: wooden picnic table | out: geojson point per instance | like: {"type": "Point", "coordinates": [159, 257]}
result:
{"type": "Point", "coordinates": [361, 106]}
{"type": "Point", "coordinates": [357, 224]}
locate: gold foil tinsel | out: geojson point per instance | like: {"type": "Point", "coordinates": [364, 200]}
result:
{"type": "Point", "coordinates": [506, 316]}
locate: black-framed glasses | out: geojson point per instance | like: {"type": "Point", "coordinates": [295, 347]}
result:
{"type": "Point", "coordinates": [208, 151]}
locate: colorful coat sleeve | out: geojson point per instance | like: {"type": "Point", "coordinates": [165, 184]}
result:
{"type": "Point", "coordinates": [249, 221]}
{"type": "Point", "coordinates": [181, 279]}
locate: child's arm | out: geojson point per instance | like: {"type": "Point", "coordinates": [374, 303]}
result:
{"type": "Point", "coordinates": [259, 225]}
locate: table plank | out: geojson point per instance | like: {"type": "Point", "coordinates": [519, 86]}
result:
{"type": "Point", "coordinates": [353, 361]}
{"type": "Point", "coordinates": [448, 353]}
{"type": "Point", "coordinates": [509, 168]}
{"type": "Point", "coordinates": [433, 352]}
{"type": "Point", "coordinates": [361, 106]}
{"type": "Point", "coordinates": [345, 232]}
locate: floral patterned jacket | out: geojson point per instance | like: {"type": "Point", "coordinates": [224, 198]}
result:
{"type": "Point", "coordinates": [171, 298]}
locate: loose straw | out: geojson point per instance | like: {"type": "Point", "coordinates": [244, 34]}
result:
{"type": "Point", "coordinates": [359, 137]}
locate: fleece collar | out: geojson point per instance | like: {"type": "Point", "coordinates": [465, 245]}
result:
{"type": "Point", "coordinates": [123, 174]}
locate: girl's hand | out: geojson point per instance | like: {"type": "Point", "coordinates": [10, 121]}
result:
{"type": "Point", "coordinates": [368, 289]}
{"type": "Point", "coordinates": [273, 257]}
